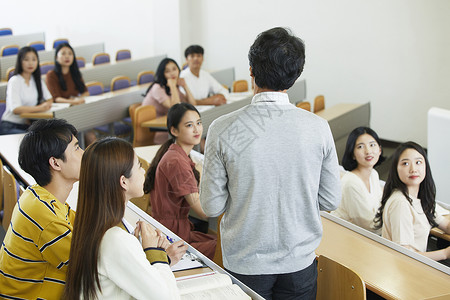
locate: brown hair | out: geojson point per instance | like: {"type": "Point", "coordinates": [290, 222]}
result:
{"type": "Point", "coordinates": [101, 205]}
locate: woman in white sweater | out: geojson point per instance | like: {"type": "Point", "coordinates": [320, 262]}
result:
{"type": "Point", "coordinates": [106, 262]}
{"type": "Point", "coordinates": [361, 190]}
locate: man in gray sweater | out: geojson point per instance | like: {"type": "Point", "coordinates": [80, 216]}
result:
{"type": "Point", "coordinates": [270, 168]}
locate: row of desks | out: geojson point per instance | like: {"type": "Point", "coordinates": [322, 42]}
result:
{"type": "Point", "coordinates": [385, 269]}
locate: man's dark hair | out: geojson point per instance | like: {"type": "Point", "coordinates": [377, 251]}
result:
{"type": "Point", "coordinates": [277, 58]}
{"type": "Point", "coordinates": [44, 139]}
{"type": "Point", "coordinates": [197, 49]}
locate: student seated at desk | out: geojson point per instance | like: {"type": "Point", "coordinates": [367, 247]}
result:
{"type": "Point", "coordinates": [166, 91]}
{"type": "Point", "coordinates": [204, 87]}
{"type": "Point", "coordinates": [361, 189]}
{"type": "Point", "coordinates": [35, 251]}
{"type": "Point", "coordinates": [172, 179]}
{"type": "Point", "coordinates": [26, 93]}
{"type": "Point", "coordinates": [106, 262]}
{"type": "Point", "coordinates": [65, 82]}
{"type": "Point", "coordinates": [407, 211]}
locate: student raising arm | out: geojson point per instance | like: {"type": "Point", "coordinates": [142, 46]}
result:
{"type": "Point", "coordinates": [25, 93]}
{"type": "Point", "coordinates": [407, 211]}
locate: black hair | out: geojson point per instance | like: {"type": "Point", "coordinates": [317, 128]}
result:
{"type": "Point", "coordinates": [193, 49]}
{"type": "Point", "coordinates": [36, 74]}
{"type": "Point", "coordinates": [74, 71]}
{"type": "Point", "coordinates": [348, 161]}
{"type": "Point", "coordinates": [427, 188]}
{"type": "Point", "coordinates": [174, 117]}
{"type": "Point", "coordinates": [44, 139]}
{"type": "Point", "coordinates": [159, 76]}
{"type": "Point", "coordinates": [277, 58]}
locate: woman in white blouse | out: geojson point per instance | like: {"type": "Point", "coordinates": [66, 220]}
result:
{"type": "Point", "coordinates": [407, 211]}
{"type": "Point", "coordinates": [107, 262]}
{"type": "Point", "coordinates": [26, 93]}
{"type": "Point", "coordinates": [361, 190]}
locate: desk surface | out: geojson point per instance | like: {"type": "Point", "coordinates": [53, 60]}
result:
{"type": "Point", "coordinates": [385, 271]}
{"type": "Point", "coordinates": [337, 110]}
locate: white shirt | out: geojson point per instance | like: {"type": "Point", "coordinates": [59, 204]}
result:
{"type": "Point", "coordinates": [204, 85]}
{"type": "Point", "coordinates": [406, 224]}
{"type": "Point", "coordinates": [125, 272]}
{"type": "Point", "coordinates": [358, 205]}
{"type": "Point", "coordinates": [18, 93]}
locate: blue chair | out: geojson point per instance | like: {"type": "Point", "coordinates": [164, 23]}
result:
{"type": "Point", "coordinates": [2, 107]}
{"type": "Point", "coordinates": [59, 41]}
{"type": "Point", "coordinates": [46, 67]}
{"type": "Point", "coordinates": [123, 54]}
{"type": "Point", "coordinates": [9, 50]}
{"type": "Point", "coordinates": [10, 72]}
{"type": "Point", "coordinates": [120, 82]}
{"type": "Point", "coordinates": [81, 62]}
{"type": "Point", "coordinates": [145, 77]}
{"type": "Point", "coordinates": [5, 31]}
{"type": "Point", "coordinates": [38, 46]}
{"type": "Point", "coordinates": [100, 58]}
{"type": "Point", "coordinates": [94, 88]}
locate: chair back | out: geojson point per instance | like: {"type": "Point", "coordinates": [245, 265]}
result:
{"type": "Point", "coordinates": [319, 103]}
{"type": "Point", "coordinates": [94, 88]}
{"type": "Point", "coordinates": [240, 86]}
{"type": "Point", "coordinates": [145, 77]}
{"type": "Point", "coordinates": [123, 54]}
{"type": "Point", "coordinates": [10, 72]}
{"type": "Point", "coordinates": [335, 281]}
{"type": "Point", "coordinates": [2, 110]}
{"type": "Point", "coordinates": [304, 105]}
{"type": "Point", "coordinates": [57, 42]}
{"type": "Point", "coordinates": [120, 82]}
{"type": "Point", "coordinates": [143, 136]}
{"type": "Point", "coordinates": [9, 50]}
{"type": "Point", "coordinates": [100, 58]}
{"type": "Point", "coordinates": [5, 31]}
{"type": "Point", "coordinates": [218, 254]}
{"type": "Point", "coordinates": [81, 62]}
{"type": "Point", "coordinates": [9, 197]}
{"type": "Point", "coordinates": [38, 46]}
{"type": "Point", "coordinates": [46, 67]}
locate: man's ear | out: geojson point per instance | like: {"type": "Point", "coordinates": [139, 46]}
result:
{"type": "Point", "coordinates": [54, 163]}
{"type": "Point", "coordinates": [251, 72]}
{"type": "Point", "coordinates": [123, 182]}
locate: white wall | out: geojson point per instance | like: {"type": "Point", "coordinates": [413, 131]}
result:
{"type": "Point", "coordinates": [395, 54]}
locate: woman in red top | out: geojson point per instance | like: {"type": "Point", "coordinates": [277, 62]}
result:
{"type": "Point", "coordinates": [172, 179]}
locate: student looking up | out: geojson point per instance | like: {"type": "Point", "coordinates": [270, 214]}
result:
{"type": "Point", "coordinates": [361, 189]}
{"type": "Point", "coordinates": [26, 93]}
{"type": "Point", "coordinates": [407, 211]}
{"type": "Point", "coordinates": [106, 262]}
{"type": "Point", "coordinates": [35, 251]}
{"type": "Point", "coordinates": [204, 87]}
{"type": "Point", "coordinates": [172, 179]}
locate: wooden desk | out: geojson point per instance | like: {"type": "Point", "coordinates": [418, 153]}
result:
{"type": "Point", "coordinates": [157, 124]}
{"type": "Point", "coordinates": [385, 271]}
{"type": "Point", "coordinates": [439, 233]}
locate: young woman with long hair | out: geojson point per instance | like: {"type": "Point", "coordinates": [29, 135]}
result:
{"type": "Point", "coordinates": [407, 211]}
{"type": "Point", "coordinates": [167, 90]}
{"type": "Point", "coordinates": [361, 189]}
{"type": "Point", "coordinates": [106, 261]}
{"type": "Point", "coordinates": [65, 82]}
{"type": "Point", "coordinates": [172, 179]}
{"type": "Point", "coordinates": [26, 93]}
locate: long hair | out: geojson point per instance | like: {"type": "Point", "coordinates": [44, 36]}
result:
{"type": "Point", "coordinates": [348, 161]}
{"type": "Point", "coordinates": [74, 71]}
{"type": "Point", "coordinates": [159, 76]}
{"type": "Point", "coordinates": [101, 205]}
{"type": "Point", "coordinates": [36, 74]}
{"type": "Point", "coordinates": [174, 117]}
{"type": "Point", "coordinates": [427, 188]}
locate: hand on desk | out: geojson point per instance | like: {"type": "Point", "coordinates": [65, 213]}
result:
{"type": "Point", "coordinates": [175, 251]}
{"type": "Point", "coordinates": [148, 235]}
{"type": "Point", "coordinates": [219, 99]}
{"type": "Point", "coordinates": [46, 105]}
{"type": "Point", "coordinates": [77, 101]}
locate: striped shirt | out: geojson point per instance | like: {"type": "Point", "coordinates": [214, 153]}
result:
{"type": "Point", "coordinates": [35, 251]}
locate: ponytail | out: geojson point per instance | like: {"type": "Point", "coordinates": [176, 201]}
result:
{"type": "Point", "coordinates": [149, 183]}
